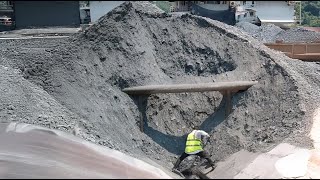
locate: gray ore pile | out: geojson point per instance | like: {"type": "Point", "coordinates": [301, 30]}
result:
{"type": "Point", "coordinates": [269, 33]}
{"type": "Point", "coordinates": [75, 84]}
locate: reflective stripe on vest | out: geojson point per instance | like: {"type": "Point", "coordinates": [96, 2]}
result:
{"type": "Point", "coordinates": [192, 143]}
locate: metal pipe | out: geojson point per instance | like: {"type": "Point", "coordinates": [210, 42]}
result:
{"type": "Point", "coordinates": [180, 88]}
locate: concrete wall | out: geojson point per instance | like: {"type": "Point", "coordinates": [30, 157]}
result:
{"type": "Point", "coordinates": [100, 8]}
{"type": "Point", "coordinates": [6, 28]}
{"type": "Point", "coordinates": [274, 10]}
{"type": "Point", "coordinates": [183, 6]}
{"type": "Point", "coordinates": [46, 13]}
{"type": "Point", "coordinates": [215, 7]}
{"type": "Point", "coordinates": [226, 16]}
{"type": "Point", "coordinates": [245, 16]}
{"type": "Point", "coordinates": [270, 10]}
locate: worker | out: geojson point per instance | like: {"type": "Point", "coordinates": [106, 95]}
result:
{"type": "Point", "coordinates": [194, 146]}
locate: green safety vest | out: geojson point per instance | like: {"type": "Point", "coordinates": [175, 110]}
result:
{"type": "Point", "coordinates": [192, 143]}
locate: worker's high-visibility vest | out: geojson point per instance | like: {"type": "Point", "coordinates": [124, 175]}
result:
{"type": "Point", "coordinates": [192, 143]}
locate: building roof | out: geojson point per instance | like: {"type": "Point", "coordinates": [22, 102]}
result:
{"type": "Point", "coordinates": [277, 21]}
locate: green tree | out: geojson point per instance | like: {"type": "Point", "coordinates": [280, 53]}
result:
{"type": "Point", "coordinates": [310, 13]}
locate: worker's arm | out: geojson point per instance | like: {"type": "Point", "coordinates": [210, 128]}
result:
{"type": "Point", "coordinates": [203, 133]}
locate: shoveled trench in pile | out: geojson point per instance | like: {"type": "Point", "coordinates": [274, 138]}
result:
{"type": "Point", "coordinates": [137, 44]}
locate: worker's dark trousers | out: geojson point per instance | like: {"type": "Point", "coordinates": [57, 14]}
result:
{"type": "Point", "coordinates": [202, 154]}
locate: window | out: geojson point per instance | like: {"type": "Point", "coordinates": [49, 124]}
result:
{"type": "Point", "coordinates": [238, 16]}
{"type": "Point", "coordinates": [245, 15]}
{"type": "Point", "coordinates": [251, 13]}
{"type": "Point", "coordinates": [244, 2]}
{"type": "Point", "coordinates": [252, 2]}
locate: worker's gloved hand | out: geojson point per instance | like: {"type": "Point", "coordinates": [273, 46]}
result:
{"type": "Point", "coordinates": [206, 140]}
{"type": "Point", "coordinates": [213, 164]}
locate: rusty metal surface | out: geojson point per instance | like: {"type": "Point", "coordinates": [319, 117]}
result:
{"type": "Point", "coordinates": [315, 29]}
{"type": "Point", "coordinates": [302, 51]}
